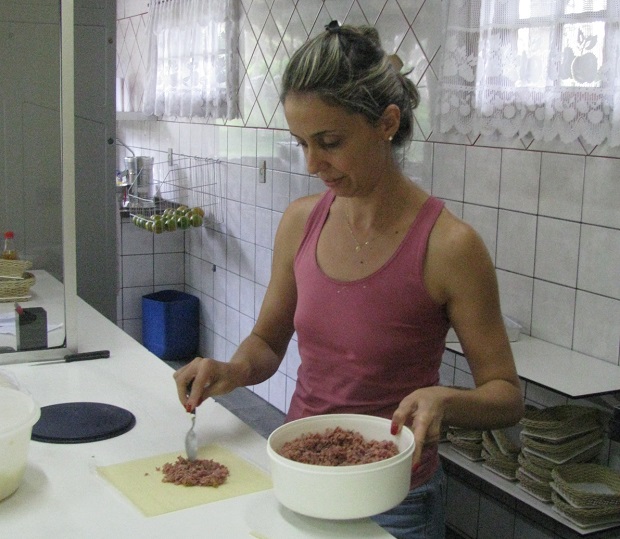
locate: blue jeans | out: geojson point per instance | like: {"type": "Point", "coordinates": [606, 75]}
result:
{"type": "Point", "coordinates": [421, 514]}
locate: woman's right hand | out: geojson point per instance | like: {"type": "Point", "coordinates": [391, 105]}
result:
{"type": "Point", "coordinates": [202, 378]}
{"type": "Point", "coordinates": [260, 354]}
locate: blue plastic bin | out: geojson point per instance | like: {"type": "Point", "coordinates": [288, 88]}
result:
{"type": "Point", "coordinates": [170, 324]}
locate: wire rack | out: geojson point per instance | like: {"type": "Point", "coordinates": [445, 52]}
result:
{"type": "Point", "coordinates": [190, 182]}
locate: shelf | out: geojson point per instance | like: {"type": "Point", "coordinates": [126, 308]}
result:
{"type": "Point", "coordinates": [512, 489]}
{"type": "Point", "coordinates": [134, 116]}
{"type": "Point", "coordinates": [562, 370]}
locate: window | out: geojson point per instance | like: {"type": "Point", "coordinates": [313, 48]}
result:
{"type": "Point", "coordinates": [544, 68]}
{"type": "Point", "coordinates": [192, 67]}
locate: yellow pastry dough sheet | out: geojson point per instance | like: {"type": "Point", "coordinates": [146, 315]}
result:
{"type": "Point", "coordinates": [141, 481]}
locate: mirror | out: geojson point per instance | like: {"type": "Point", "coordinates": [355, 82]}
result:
{"type": "Point", "coordinates": [37, 176]}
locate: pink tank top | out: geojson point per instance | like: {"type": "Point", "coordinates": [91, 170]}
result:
{"type": "Point", "coordinates": [366, 344]}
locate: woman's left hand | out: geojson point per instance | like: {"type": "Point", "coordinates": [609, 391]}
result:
{"type": "Point", "coordinates": [491, 405]}
{"type": "Point", "coordinates": [422, 410]}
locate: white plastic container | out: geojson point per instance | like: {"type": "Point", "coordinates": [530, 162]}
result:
{"type": "Point", "coordinates": [341, 492]}
{"type": "Point", "coordinates": [18, 414]}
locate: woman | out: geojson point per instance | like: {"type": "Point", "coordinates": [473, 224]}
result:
{"type": "Point", "coordinates": [371, 274]}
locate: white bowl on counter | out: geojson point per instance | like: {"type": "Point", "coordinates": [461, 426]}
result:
{"type": "Point", "coordinates": [18, 414]}
{"type": "Point", "coordinates": [341, 492]}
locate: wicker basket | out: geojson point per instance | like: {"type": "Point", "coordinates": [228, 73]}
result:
{"type": "Point", "coordinates": [562, 450]}
{"type": "Point", "coordinates": [504, 472]}
{"type": "Point", "coordinates": [468, 448]}
{"type": "Point", "coordinates": [488, 443]}
{"type": "Point", "coordinates": [454, 438]}
{"type": "Point", "coordinates": [557, 418]}
{"type": "Point", "coordinates": [492, 448]}
{"type": "Point", "coordinates": [546, 464]}
{"type": "Point", "coordinates": [464, 434]}
{"type": "Point", "coordinates": [564, 434]}
{"type": "Point", "coordinates": [572, 421]}
{"type": "Point", "coordinates": [578, 456]}
{"type": "Point", "coordinates": [10, 289]}
{"type": "Point", "coordinates": [541, 490]}
{"type": "Point", "coordinates": [500, 460]}
{"type": "Point", "coordinates": [507, 440]}
{"type": "Point", "coordinates": [501, 466]}
{"type": "Point", "coordinates": [530, 466]}
{"type": "Point", "coordinates": [14, 269]}
{"type": "Point", "coordinates": [588, 485]}
{"type": "Point", "coordinates": [584, 517]}
{"type": "Point", "coordinates": [473, 454]}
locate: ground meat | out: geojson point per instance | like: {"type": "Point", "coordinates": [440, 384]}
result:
{"type": "Point", "coordinates": [337, 447]}
{"type": "Point", "coordinates": [199, 472]}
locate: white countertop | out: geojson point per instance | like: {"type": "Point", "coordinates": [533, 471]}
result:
{"type": "Point", "coordinates": [62, 494]}
{"type": "Point", "coordinates": [563, 370]}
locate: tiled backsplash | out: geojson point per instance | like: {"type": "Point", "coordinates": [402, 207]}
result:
{"type": "Point", "coordinates": [548, 212]}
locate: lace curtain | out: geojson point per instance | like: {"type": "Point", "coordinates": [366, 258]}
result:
{"type": "Point", "coordinates": [192, 68]}
{"type": "Point", "coordinates": [544, 68]}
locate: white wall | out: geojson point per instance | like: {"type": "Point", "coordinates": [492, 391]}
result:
{"type": "Point", "coordinates": [547, 212]}
{"type": "Point", "coordinates": [30, 169]}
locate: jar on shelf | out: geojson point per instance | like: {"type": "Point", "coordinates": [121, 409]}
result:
{"type": "Point", "coordinates": [9, 252]}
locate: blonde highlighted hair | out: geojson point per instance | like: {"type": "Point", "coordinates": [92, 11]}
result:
{"type": "Point", "coordinates": [347, 66]}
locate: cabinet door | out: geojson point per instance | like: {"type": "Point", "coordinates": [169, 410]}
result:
{"type": "Point", "coordinates": [95, 132]}
{"type": "Point", "coordinates": [462, 507]}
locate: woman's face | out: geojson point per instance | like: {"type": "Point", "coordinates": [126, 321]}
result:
{"type": "Point", "coordinates": [342, 148]}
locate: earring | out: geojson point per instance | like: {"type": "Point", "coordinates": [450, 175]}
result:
{"type": "Point", "coordinates": [390, 138]}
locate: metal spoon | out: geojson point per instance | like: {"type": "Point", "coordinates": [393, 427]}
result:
{"type": "Point", "coordinates": [191, 442]}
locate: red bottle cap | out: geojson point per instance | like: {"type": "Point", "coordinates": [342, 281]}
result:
{"type": "Point", "coordinates": [9, 235]}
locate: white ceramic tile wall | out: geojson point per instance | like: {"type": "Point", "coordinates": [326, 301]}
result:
{"type": "Point", "coordinates": [548, 212]}
{"type": "Point", "coordinates": [148, 263]}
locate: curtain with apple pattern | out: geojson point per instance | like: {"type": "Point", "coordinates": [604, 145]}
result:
{"type": "Point", "coordinates": [543, 69]}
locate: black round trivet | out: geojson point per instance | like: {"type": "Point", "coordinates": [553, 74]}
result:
{"type": "Point", "coordinates": [80, 422]}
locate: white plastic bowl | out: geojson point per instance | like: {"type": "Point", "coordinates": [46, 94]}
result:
{"type": "Point", "coordinates": [341, 492]}
{"type": "Point", "coordinates": [18, 414]}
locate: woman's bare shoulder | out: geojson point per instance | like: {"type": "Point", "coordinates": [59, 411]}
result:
{"type": "Point", "coordinates": [453, 238]}
{"type": "Point", "coordinates": [293, 222]}
{"type": "Point", "coordinates": [304, 204]}
{"type": "Point", "coordinates": [456, 255]}
{"type": "Point", "coordinates": [298, 211]}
